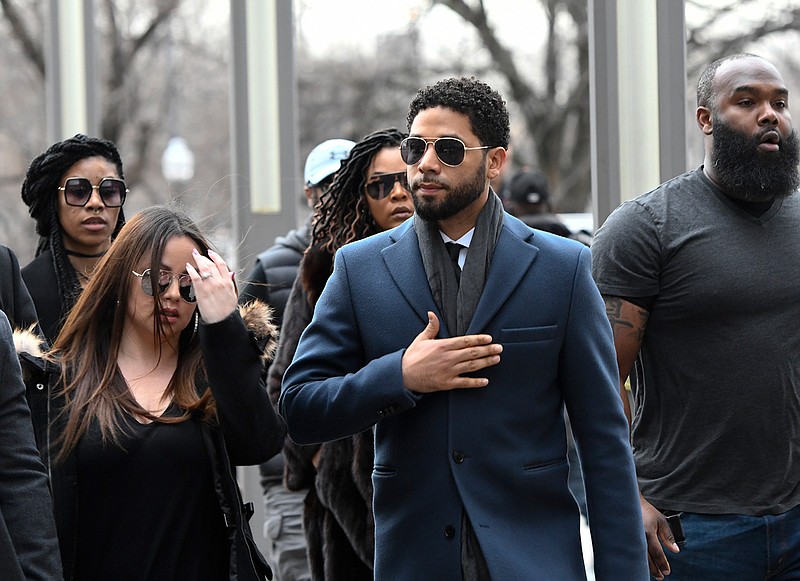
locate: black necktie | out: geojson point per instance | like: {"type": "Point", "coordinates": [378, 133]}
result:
{"type": "Point", "coordinates": [453, 249]}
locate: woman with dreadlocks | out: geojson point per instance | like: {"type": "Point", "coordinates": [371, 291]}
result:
{"type": "Point", "coordinates": [75, 192]}
{"type": "Point", "coordinates": [368, 195]}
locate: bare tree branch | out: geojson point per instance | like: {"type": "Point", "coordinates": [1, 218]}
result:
{"type": "Point", "coordinates": [32, 50]}
{"type": "Point", "coordinates": [520, 90]}
{"type": "Point", "coordinates": [558, 127]}
{"type": "Point", "coordinates": [121, 103]}
{"type": "Point", "coordinates": [557, 119]}
{"type": "Point", "coordinates": [166, 8]}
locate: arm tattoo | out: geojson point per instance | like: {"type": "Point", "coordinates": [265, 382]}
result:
{"type": "Point", "coordinates": [620, 322]}
{"type": "Point", "coordinates": [614, 313]}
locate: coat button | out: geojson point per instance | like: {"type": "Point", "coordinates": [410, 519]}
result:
{"type": "Point", "coordinates": [449, 532]}
{"type": "Point", "coordinates": [458, 456]}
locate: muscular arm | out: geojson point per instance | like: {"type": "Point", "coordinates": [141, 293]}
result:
{"type": "Point", "coordinates": [628, 322]}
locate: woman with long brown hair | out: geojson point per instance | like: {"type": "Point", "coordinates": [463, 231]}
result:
{"type": "Point", "coordinates": [160, 395]}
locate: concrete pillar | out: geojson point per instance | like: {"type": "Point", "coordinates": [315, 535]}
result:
{"type": "Point", "coordinates": [266, 183]}
{"type": "Point", "coordinates": [69, 61]}
{"type": "Point", "coordinates": [266, 180]}
{"type": "Point", "coordinates": [638, 98]}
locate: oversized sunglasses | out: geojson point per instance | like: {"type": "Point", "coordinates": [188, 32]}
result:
{"type": "Point", "coordinates": [382, 185]}
{"type": "Point", "coordinates": [164, 281]}
{"type": "Point", "coordinates": [78, 191]}
{"type": "Point", "coordinates": [449, 150]}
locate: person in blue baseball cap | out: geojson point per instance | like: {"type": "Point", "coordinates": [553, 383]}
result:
{"type": "Point", "coordinates": [324, 161]}
{"type": "Point", "coordinates": [276, 267]}
{"type": "Point", "coordinates": [271, 281]}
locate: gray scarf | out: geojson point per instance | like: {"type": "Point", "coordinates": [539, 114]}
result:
{"type": "Point", "coordinates": [458, 303]}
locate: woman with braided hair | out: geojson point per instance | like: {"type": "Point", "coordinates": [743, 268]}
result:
{"type": "Point", "coordinates": [368, 195]}
{"type": "Point", "coordinates": [75, 192]}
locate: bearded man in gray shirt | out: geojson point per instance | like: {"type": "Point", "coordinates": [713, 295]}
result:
{"type": "Point", "coordinates": [700, 280]}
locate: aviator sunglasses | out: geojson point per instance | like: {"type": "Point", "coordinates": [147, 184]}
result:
{"type": "Point", "coordinates": [164, 281]}
{"type": "Point", "coordinates": [449, 150]}
{"type": "Point", "coordinates": [78, 191]}
{"type": "Point", "coordinates": [383, 184]}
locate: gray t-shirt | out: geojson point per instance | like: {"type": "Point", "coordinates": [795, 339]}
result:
{"type": "Point", "coordinates": [716, 385]}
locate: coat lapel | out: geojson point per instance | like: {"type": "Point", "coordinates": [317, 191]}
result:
{"type": "Point", "coordinates": [404, 262]}
{"type": "Point", "coordinates": [512, 258]}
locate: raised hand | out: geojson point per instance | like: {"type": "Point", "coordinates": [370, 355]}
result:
{"type": "Point", "coordinates": [213, 286]}
{"type": "Point", "coordinates": [431, 364]}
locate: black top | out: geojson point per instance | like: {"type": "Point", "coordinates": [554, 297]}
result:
{"type": "Point", "coordinates": [15, 300]}
{"type": "Point", "coordinates": [245, 431]}
{"type": "Point", "coordinates": [40, 278]}
{"type": "Point", "coordinates": [154, 511]}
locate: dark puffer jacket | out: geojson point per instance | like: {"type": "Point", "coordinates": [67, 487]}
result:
{"type": "Point", "coordinates": [275, 271]}
{"type": "Point", "coordinates": [271, 281]}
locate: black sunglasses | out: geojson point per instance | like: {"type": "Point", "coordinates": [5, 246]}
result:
{"type": "Point", "coordinates": [164, 281]}
{"type": "Point", "coordinates": [449, 150]}
{"type": "Point", "coordinates": [382, 185]}
{"type": "Point", "coordinates": [78, 191]}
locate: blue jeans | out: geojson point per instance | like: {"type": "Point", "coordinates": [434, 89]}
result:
{"type": "Point", "coordinates": [738, 547]}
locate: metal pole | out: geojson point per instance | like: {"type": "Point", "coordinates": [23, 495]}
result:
{"type": "Point", "coordinates": [90, 62]}
{"type": "Point", "coordinates": [240, 148]}
{"type": "Point", "coordinates": [639, 97]}
{"type": "Point", "coordinates": [291, 182]}
{"type": "Point", "coordinates": [673, 107]}
{"type": "Point", "coordinates": [52, 78]}
{"type": "Point", "coordinates": [266, 184]}
{"type": "Point", "coordinates": [69, 79]}
{"type": "Point", "coordinates": [637, 72]}
{"type": "Point", "coordinates": [265, 173]}
{"type": "Point", "coordinates": [604, 108]}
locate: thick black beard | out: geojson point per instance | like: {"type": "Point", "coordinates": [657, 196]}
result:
{"type": "Point", "coordinates": [748, 174]}
{"type": "Point", "coordinates": [455, 200]}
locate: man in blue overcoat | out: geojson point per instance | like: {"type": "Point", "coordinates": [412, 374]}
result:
{"type": "Point", "coordinates": [462, 336]}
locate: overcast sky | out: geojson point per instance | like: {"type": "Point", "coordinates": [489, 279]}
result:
{"type": "Point", "coordinates": [355, 24]}
{"type": "Point", "coordinates": [326, 25]}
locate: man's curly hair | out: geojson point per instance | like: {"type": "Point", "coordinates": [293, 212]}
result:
{"type": "Point", "coordinates": [483, 105]}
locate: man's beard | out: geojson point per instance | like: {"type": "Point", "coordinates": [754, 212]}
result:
{"type": "Point", "coordinates": [747, 173]}
{"type": "Point", "coordinates": [455, 199]}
